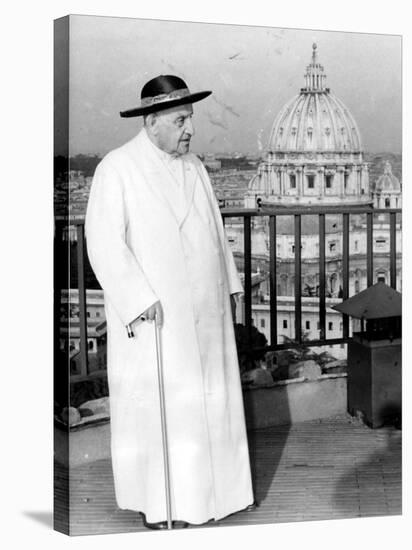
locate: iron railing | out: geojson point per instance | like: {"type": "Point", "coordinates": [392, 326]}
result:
{"type": "Point", "coordinates": [298, 213]}
{"type": "Point", "coordinates": [62, 280]}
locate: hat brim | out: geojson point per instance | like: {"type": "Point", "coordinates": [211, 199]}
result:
{"type": "Point", "coordinates": [162, 105]}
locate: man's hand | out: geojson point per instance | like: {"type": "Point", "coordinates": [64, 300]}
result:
{"type": "Point", "coordinates": [153, 311]}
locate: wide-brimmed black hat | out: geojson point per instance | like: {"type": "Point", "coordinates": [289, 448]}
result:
{"type": "Point", "coordinates": [164, 92]}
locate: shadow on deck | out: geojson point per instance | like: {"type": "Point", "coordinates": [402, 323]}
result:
{"type": "Point", "coordinates": [317, 470]}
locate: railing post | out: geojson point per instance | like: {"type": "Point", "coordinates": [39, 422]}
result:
{"type": "Point", "coordinates": [84, 359]}
{"type": "Point", "coordinates": [322, 278]}
{"type": "Point", "coordinates": [392, 230]}
{"type": "Point", "coordinates": [273, 281]}
{"type": "Point", "coordinates": [369, 248]}
{"type": "Point", "coordinates": [345, 271]}
{"type": "Point", "coordinates": [248, 275]}
{"type": "Point", "coordinates": [298, 282]}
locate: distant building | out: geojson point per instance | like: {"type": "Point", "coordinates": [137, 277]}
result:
{"type": "Point", "coordinates": [211, 162]}
{"type": "Point", "coordinates": [386, 191]}
{"type": "Point", "coordinates": [310, 322]}
{"type": "Point", "coordinates": [285, 252]}
{"type": "Point", "coordinates": [314, 155]}
{"type": "Point", "coordinates": [96, 329]}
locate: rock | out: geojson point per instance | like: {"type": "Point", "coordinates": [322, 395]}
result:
{"type": "Point", "coordinates": [308, 369]}
{"type": "Point", "coordinates": [258, 377]}
{"type": "Point", "coordinates": [70, 415]}
{"type": "Point", "coordinates": [96, 406]}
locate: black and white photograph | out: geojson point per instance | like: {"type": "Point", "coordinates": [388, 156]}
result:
{"type": "Point", "coordinates": [228, 275]}
{"type": "Point", "coordinates": [207, 328]}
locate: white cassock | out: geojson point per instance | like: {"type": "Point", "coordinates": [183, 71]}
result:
{"type": "Point", "coordinates": [154, 232]}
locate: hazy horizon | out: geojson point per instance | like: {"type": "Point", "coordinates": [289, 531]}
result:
{"type": "Point", "coordinates": [252, 71]}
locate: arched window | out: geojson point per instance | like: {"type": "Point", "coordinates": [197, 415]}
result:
{"type": "Point", "coordinates": [356, 287]}
{"type": "Point", "coordinates": [381, 277]}
{"type": "Point", "coordinates": [387, 203]}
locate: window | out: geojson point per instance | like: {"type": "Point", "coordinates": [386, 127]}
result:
{"type": "Point", "coordinates": [387, 203]}
{"type": "Point", "coordinates": [356, 245]}
{"type": "Point", "coordinates": [328, 181]}
{"type": "Point", "coordinates": [88, 314]}
{"type": "Point", "coordinates": [97, 313]}
{"type": "Point", "coordinates": [293, 248]}
{"type": "Point", "coordinates": [307, 325]}
{"type": "Point", "coordinates": [356, 287]}
{"type": "Point", "coordinates": [292, 179]}
{"type": "Point", "coordinates": [318, 325]}
{"type": "Point", "coordinates": [381, 278]}
{"type": "Point", "coordinates": [262, 323]}
{"type": "Point", "coordinates": [311, 182]}
{"type": "Point", "coordinates": [285, 323]}
{"type": "Point", "coordinates": [380, 242]}
{"type": "Point", "coordinates": [332, 247]}
{"type": "Point", "coordinates": [330, 325]}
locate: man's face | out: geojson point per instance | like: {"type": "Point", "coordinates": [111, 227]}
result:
{"type": "Point", "coordinates": [173, 129]}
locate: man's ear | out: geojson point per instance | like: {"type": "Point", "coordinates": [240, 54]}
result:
{"type": "Point", "coordinates": [151, 122]}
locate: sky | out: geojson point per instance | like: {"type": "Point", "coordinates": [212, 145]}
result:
{"type": "Point", "coordinates": [252, 71]}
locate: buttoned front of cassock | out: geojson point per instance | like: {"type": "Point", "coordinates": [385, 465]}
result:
{"type": "Point", "coordinates": [144, 246]}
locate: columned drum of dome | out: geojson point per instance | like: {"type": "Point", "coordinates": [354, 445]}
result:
{"type": "Point", "coordinates": [314, 155]}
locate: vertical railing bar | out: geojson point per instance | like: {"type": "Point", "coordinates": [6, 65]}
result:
{"type": "Point", "coordinates": [298, 283]}
{"type": "Point", "coordinates": [369, 248]}
{"type": "Point", "coordinates": [57, 286]}
{"type": "Point", "coordinates": [84, 360]}
{"type": "Point", "coordinates": [392, 232]}
{"type": "Point", "coordinates": [345, 271]}
{"type": "Point", "coordinates": [273, 282]}
{"type": "Point", "coordinates": [322, 278]}
{"type": "Point", "coordinates": [248, 275]}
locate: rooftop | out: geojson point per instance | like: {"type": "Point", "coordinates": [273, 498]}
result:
{"type": "Point", "coordinates": [317, 470]}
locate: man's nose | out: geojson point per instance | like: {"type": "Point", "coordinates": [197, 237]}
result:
{"type": "Point", "coordinates": [189, 129]}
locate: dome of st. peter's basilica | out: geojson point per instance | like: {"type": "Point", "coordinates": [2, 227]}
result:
{"type": "Point", "coordinates": [314, 153]}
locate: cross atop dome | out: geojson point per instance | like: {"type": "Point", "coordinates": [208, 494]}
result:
{"type": "Point", "coordinates": [314, 77]}
{"type": "Point", "coordinates": [387, 169]}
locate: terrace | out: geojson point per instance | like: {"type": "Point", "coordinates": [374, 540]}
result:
{"type": "Point", "coordinates": [310, 459]}
{"type": "Point", "coordinates": [334, 468]}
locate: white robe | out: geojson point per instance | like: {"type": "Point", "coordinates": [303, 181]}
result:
{"type": "Point", "coordinates": [144, 246]}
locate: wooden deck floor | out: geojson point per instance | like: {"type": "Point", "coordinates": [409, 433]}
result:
{"type": "Point", "coordinates": [335, 468]}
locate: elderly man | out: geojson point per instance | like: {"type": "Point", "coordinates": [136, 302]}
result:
{"type": "Point", "coordinates": [157, 245]}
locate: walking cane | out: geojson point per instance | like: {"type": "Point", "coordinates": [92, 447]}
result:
{"type": "Point", "coordinates": [163, 422]}
{"type": "Point", "coordinates": [162, 416]}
